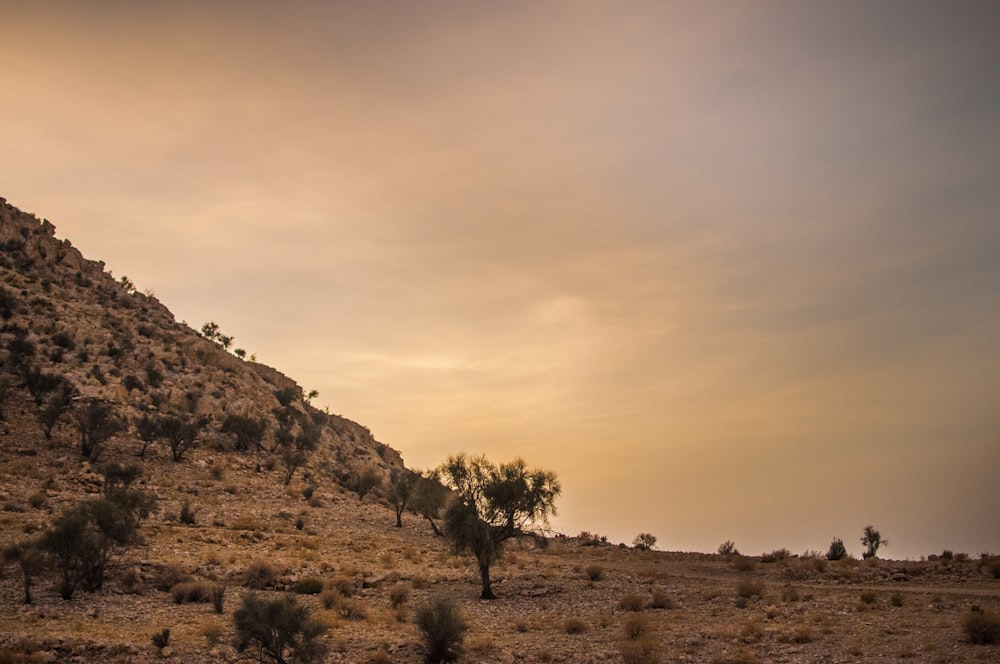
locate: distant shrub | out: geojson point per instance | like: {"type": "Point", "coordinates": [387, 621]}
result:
{"type": "Point", "coordinates": [776, 555]}
{"type": "Point", "coordinates": [188, 513]}
{"type": "Point", "coordinates": [749, 588]}
{"type": "Point", "coordinates": [308, 586]}
{"type": "Point", "coordinates": [636, 626]}
{"type": "Point", "coordinates": [212, 631]}
{"type": "Point", "coordinates": [38, 499]}
{"type": "Point", "coordinates": [218, 596]}
{"type": "Point", "coordinates": [896, 599]}
{"type": "Point", "coordinates": [162, 638]}
{"type": "Point", "coordinates": [574, 625]}
{"type": "Point", "coordinates": [399, 594]}
{"type": "Point", "coordinates": [981, 627]}
{"type": "Point", "coordinates": [837, 550]}
{"type": "Point", "coordinates": [443, 630]}
{"type": "Point", "coordinates": [169, 576]}
{"type": "Point", "coordinates": [343, 585]}
{"type": "Point", "coordinates": [192, 591]}
{"type": "Point", "coordinates": [644, 650]}
{"type": "Point", "coordinates": [868, 597]}
{"type": "Point", "coordinates": [259, 574]}
{"type": "Point", "coordinates": [644, 541]}
{"type": "Point", "coordinates": [351, 609]}
{"type": "Point", "coordinates": [631, 602]}
{"type": "Point", "coordinates": [594, 572]}
{"type": "Point", "coordinates": [744, 564]}
{"type": "Point", "coordinates": [947, 554]}
{"type": "Point", "coordinates": [661, 600]}
{"type": "Point", "coordinates": [728, 548]}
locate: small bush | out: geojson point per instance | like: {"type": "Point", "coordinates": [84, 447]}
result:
{"type": "Point", "coordinates": [868, 597]}
{"type": "Point", "coordinates": [775, 556]}
{"type": "Point", "coordinates": [399, 594]}
{"type": "Point", "coordinates": [749, 588]}
{"type": "Point", "coordinates": [191, 591]}
{"type": "Point", "coordinates": [329, 598]}
{"type": "Point", "coordinates": [343, 585]}
{"type": "Point", "coordinates": [162, 638]}
{"type": "Point", "coordinates": [744, 564]}
{"type": "Point", "coordinates": [837, 550]}
{"type": "Point", "coordinates": [896, 599]}
{"type": "Point", "coordinates": [310, 585]}
{"type": "Point", "coordinates": [981, 627]}
{"type": "Point", "coordinates": [644, 650]}
{"type": "Point", "coordinates": [443, 629]}
{"type": "Point", "coordinates": [212, 631]}
{"type": "Point", "coordinates": [631, 602]}
{"type": "Point", "coordinates": [38, 500]}
{"type": "Point", "coordinates": [351, 609]}
{"type": "Point", "coordinates": [728, 548]}
{"type": "Point", "coordinates": [188, 513]}
{"type": "Point", "coordinates": [260, 574]}
{"type": "Point", "coordinates": [574, 626]}
{"type": "Point", "coordinates": [218, 596]}
{"type": "Point", "coordinates": [280, 630]}
{"type": "Point", "coordinates": [661, 600]}
{"type": "Point", "coordinates": [169, 576]}
{"type": "Point", "coordinates": [594, 572]}
{"type": "Point", "coordinates": [636, 626]}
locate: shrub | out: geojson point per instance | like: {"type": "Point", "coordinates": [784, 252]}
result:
{"type": "Point", "coordinates": [837, 550]}
{"type": "Point", "coordinates": [443, 629]}
{"type": "Point", "coordinates": [744, 564]}
{"type": "Point", "coordinates": [399, 594]}
{"type": "Point", "coordinates": [742, 657]}
{"type": "Point", "coordinates": [169, 576]}
{"type": "Point", "coordinates": [279, 630]}
{"type": "Point", "coordinates": [38, 499]}
{"type": "Point", "coordinates": [595, 572]}
{"type": "Point", "coordinates": [775, 556]}
{"type": "Point", "coordinates": [631, 602]}
{"type": "Point", "coordinates": [981, 627]}
{"type": "Point", "coordinates": [188, 513]}
{"type": "Point", "coordinates": [212, 631]}
{"type": "Point", "coordinates": [644, 650]}
{"type": "Point", "coordinates": [868, 597]}
{"type": "Point", "coordinates": [191, 591]}
{"type": "Point", "coordinates": [635, 626]}
{"type": "Point", "coordinates": [661, 600]}
{"type": "Point", "coordinates": [872, 539]}
{"type": "Point", "coordinates": [574, 626]}
{"type": "Point", "coordinates": [728, 548]}
{"type": "Point", "coordinates": [162, 638]}
{"type": "Point", "coordinates": [343, 585]}
{"type": "Point", "coordinates": [218, 596]}
{"type": "Point", "coordinates": [644, 541]}
{"type": "Point", "coordinates": [351, 609]}
{"type": "Point", "coordinates": [749, 588]}
{"type": "Point", "coordinates": [896, 599]}
{"type": "Point", "coordinates": [310, 585]}
{"type": "Point", "coordinates": [259, 574]}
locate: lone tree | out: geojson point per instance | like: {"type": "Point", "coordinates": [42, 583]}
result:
{"type": "Point", "coordinates": [494, 504]}
{"type": "Point", "coordinates": [644, 541]}
{"type": "Point", "coordinates": [872, 540]}
{"type": "Point", "coordinates": [402, 485]}
{"type": "Point", "coordinates": [837, 550]}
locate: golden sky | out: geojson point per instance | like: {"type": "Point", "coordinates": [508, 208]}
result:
{"type": "Point", "coordinates": [731, 269]}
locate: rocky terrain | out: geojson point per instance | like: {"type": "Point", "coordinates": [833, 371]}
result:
{"type": "Point", "coordinates": [321, 526]}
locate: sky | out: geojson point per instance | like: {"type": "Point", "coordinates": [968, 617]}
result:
{"type": "Point", "coordinates": [730, 269]}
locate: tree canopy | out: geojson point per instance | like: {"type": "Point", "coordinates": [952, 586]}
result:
{"type": "Point", "coordinates": [494, 503]}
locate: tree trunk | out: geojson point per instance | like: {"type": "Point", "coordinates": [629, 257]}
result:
{"type": "Point", "coordinates": [399, 517]}
{"type": "Point", "coordinates": [434, 526]}
{"type": "Point", "coordinates": [484, 573]}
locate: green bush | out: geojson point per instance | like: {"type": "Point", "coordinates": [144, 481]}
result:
{"type": "Point", "coordinates": [837, 550]}
{"type": "Point", "coordinates": [443, 629]}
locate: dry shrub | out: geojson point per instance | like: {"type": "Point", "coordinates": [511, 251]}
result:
{"type": "Point", "coordinates": [661, 600]}
{"type": "Point", "coordinates": [868, 597]}
{"type": "Point", "coordinates": [443, 629]}
{"type": "Point", "coordinates": [896, 599]}
{"type": "Point", "coordinates": [982, 627]}
{"type": "Point", "coordinates": [309, 585]}
{"type": "Point", "coordinates": [192, 591]}
{"type": "Point", "coordinates": [744, 564]}
{"type": "Point", "coordinates": [131, 580]}
{"type": "Point", "coordinates": [399, 594]}
{"type": "Point", "coordinates": [260, 574]}
{"type": "Point", "coordinates": [351, 609]}
{"type": "Point", "coordinates": [631, 602]}
{"type": "Point", "coordinates": [797, 634]}
{"type": "Point", "coordinates": [751, 632]}
{"type": "Point", "coordinates": [212, 631]}
{"type": "Point", "coordinates": [644, 650]}
{"type": "Point", "coordinates": [574, 626]}
{"type": "Point", "coordinates": [521, 625]}
{"type": "Point", "coordinates": [343, 585]}
{"type": "Point", "coordinates": [749, 588]}
{"type": "Point", "coordinates": [329, 598]}
{"type": "Point", "coordinates": [595, 572]}
{"type": "Point", "coordinates": [169, 576]}
{"type": "Point", "coordinates": [790, 594]}
{"type": "Point", "coordinates": [636, 626]}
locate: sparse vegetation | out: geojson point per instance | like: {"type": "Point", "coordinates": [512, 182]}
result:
{"type": "Point", "coordinates": [644, 542]}
{"type": "Point", "coordinates": [872, 539]}
{"type": "Point", "coordinates": [837, 550]}
{"type": "Point", "coordinates": [278, 630]}
{"type": "Point", "coordinates": [443, 629]}
{"type": "Point", "coordinates": [981, 626]}
{"type": "Point", "coordinates": [728, 548]}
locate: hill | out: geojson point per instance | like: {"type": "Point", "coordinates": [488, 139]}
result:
{"type": "Point", "coordinates": [263, 492]}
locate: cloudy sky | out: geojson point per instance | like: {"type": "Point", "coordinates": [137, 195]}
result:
{"type": "Point", "coordinates": [731, 269]}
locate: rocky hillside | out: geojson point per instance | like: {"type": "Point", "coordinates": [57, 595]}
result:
{"type": "Point", "coordinates": [65, 318]}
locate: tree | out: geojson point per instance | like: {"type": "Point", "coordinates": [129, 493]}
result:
{"type": "Point", "coordinates": [181, 434]}
{"type": "Point", "coordinates": [32, 560]}
{"type": "Point", "coordinates": [249, 432]}
{"type": "Point", "coordinates": [495, 503]}
{"type": "Point", "coordinates": [728, 548]}
{"type": "Point", "coordinates": [429, 497]}
{"type": "Point", "coordinates": [58, 402]}
{"type": "Point", "coordinates": [837, 550]}
{"type": "Point", "coordinates": [402, 484]}
{"type": "Point", "coordinates": [147, 428]}
{"type": "Point", "coordinates": [644, 541]}
{"type": "Point", "coordinates": [872, 540]}
{"type": "Point", "coordinates": [97, 423]}
{"type": "Point", "coordinates": [280, 630]}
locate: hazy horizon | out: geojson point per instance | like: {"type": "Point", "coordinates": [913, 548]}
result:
{"type": "Point", "coordinates": [731, 270]}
